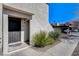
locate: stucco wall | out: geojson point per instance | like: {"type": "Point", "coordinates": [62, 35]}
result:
{"type": "Point", "coordinates": [0, 29]}
{"type": "Point", "coordinates": [39, 19]}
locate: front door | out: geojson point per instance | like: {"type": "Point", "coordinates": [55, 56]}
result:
{"type": "Point", "coordinates": [14, 29]}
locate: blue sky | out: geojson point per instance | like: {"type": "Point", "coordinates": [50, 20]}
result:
{"type": "Point", "coordinates": [63, 12]}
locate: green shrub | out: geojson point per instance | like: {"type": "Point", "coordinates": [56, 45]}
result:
{"type": "Point", "coordinates": [41, 39]}
{"type": "Point", "coordinates": [54, 34]}
{"type": "Point", "coordinates": [49, 41]}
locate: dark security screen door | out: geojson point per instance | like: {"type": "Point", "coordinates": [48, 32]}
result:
{"type": "Point", "coordinates": [14, 28]}
{"type": "Point", "coordinates": [14, 24]}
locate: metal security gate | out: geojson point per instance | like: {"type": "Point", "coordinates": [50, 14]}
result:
{"type": "Point", "coordinates": [14, 36]}
{"type": "Point", "coordinates": [14, 29]}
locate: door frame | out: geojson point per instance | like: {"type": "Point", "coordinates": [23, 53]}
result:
{"type": "Point", "coordinates": [5, 34]}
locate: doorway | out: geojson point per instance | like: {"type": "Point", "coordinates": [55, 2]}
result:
{"type": "Point", "coordinates": [14, 30]}
{"type": "Point", "coordinates": [18, 33]}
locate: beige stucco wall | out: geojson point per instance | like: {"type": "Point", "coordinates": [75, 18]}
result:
{"type": "Point", "coordinates": [39, 19]}
{"type": "Point", "coordinates": [0, 29]}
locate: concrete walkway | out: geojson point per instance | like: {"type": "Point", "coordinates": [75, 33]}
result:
{"type": "Point", "coordinates": [76, 51]}
{"type": "Point", "coordinates": [16, 46]}
{"type": "Point", "coordinates": [63, 48]}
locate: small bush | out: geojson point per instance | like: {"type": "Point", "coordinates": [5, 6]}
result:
{"type": "Point", "coordinates": [41, 39]}
{"type": "Point", "coordinates": [54, 34]}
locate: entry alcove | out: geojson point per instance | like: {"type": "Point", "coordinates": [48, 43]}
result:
{"type": "Point", "coordinates": [16, 29]}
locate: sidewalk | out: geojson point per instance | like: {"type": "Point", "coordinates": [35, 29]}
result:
{"type": "Point", "coordinates": [64, 48]}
